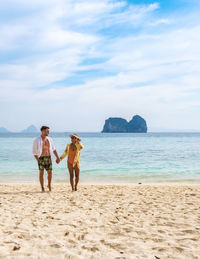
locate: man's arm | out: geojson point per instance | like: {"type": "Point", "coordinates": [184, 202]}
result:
{"type": "Point", "coordinates": [36, 157]}
{"type": "Point", "coordinates": [54, 151]}
{"type": "Point", "coordinates": [34, 150]}
{"type": "Point", "coordinates": [56, 154]}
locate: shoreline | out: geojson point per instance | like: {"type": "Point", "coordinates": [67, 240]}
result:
{"type": "Point", "coordinates": [108, 183]}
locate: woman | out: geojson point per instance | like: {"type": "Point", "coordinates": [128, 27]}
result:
{"type": "Point", "coordinates": [73, 161]}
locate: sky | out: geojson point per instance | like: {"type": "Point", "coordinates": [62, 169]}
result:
{"type": "Point", "coordinates": [71, 64]}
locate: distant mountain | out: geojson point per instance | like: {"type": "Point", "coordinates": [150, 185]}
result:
{"type": "Point", "coordinates": [4, 130]}
{"type": "Point", "coordinates": [30, 129]}
{"type": "Point", "coordinates": [117, 125]}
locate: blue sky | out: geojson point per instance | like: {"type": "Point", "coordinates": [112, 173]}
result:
{"type": "Point", "coordinates": [72, 64]}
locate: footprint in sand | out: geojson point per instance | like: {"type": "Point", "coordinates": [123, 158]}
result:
{"type": "Point", "coordinates": [17, 247]}
{"type": "Point", "coordinates": [81, 237]}
{"type": "Point", "coordinates": [93, 249]}
{"type": "Point", "coordinates": [56, 246]}
{"type": "Point", "coordinates": [188, 231]}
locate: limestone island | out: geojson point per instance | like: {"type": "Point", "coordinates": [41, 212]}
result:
{"type": "Point", "coordinates": [120, 125]}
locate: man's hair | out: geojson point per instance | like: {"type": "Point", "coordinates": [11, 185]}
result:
{"type": "Point", "coordinates": [44, 127]}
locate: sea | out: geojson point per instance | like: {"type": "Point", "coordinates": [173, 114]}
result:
{"type": "Point", "coordinates": [108, 158]}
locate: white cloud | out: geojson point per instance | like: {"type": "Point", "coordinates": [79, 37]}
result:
{"type": "Point", "coordinates": [58, 50]}
{"type": "Point", "coordinates": [155, 72]}
{"type": "Point", "coordinates": [55, 37]}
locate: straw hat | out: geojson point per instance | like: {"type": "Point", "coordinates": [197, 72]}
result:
{"type": "Point", "coordinates": [75, 135]}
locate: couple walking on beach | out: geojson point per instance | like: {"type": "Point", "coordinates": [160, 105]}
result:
{"type": "Point", "coordinates": [43, 151]}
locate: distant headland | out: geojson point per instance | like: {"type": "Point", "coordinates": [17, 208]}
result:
{"type": "Point", "coordinates": [30, 129]}
{"type": "Point", "coordinates": [120, 125]}
{"type": "Point", "coordinates": [4, 130]}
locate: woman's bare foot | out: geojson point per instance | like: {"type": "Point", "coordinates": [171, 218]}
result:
{"type": "Point", "coordinates": [49, 187]}
{"type": "Point", "coordinates": [75, 188]}
{"type": "Point", "coordinates": [43, 190]}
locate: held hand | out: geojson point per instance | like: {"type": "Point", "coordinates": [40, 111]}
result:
{"type": "Point", "coordinates": [58, 160]}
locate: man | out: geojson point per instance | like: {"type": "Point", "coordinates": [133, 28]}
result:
{"type": "Point", "coordinates": [43, 150]}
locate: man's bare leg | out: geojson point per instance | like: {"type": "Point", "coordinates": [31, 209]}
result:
{"type": "Point", "coordinates": [49, 179]}
{"type": "Point", "coordinates": [41, 177]}
{"type": "Point", "coordinates": [77, 170]}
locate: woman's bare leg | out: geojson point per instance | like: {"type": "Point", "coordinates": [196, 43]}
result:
{"type": "Point", "coordinates": [77, 171]}
{"type": "Point", "coordinates": [71, 174]}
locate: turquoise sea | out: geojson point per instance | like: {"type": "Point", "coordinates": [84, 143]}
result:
{"type": "Point", "coordinates": [108, 158]}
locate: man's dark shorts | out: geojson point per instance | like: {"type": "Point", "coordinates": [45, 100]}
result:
{"type": "Point", "coordinates": [45, 163]}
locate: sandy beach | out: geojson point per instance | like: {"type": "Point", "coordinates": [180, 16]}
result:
{"type": "Point", "coordinates": [100, 221]}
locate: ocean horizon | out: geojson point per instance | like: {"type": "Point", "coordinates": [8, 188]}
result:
{"type": "Point", "coordinates": [108, 157]}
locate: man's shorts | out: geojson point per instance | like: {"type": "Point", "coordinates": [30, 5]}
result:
{"type": "Point", "coordinates": [45, 163]}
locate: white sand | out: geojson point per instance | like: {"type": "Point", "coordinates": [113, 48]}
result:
{"type": "Point", "coordinates": [127, 221]}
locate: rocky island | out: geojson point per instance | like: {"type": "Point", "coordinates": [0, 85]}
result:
{"type": "Point", "coordinates": [120, 125]}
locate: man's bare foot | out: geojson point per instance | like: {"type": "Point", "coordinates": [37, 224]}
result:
{"type": "Point", "coordinates": [43, 190]}
{"type": "Point", "coordinates": [49, 187]}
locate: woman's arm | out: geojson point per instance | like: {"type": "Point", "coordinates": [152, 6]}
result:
{"type": "Point", "coordinates": [79, 145]}
{"type": "Point", "coordinates": [65, 153]}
